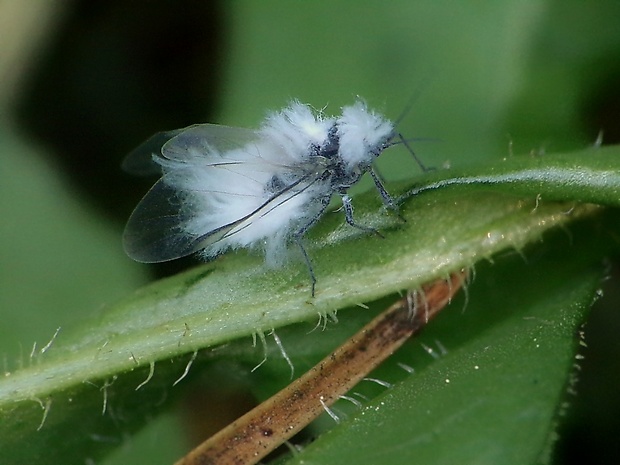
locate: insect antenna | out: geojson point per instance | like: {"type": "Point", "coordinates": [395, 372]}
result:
{"type": "Point", "coordinates": [411, 100]}
{"type": "Point", "coordinates": [414, 97]}
{"type": "Point", "coordinates": [405, 142]}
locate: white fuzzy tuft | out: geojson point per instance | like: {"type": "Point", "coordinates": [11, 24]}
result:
{"type": "Point", "coordinates": [296, 128]}
{"type": "Point", "coordinates": [363, 134]}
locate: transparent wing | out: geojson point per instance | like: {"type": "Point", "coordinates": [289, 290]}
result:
{"type": "Point", "coordinates": [199, 140]}
{"type": "Point", "coordinates": [155, 233]}
{"type": "Point", "coordinates": [205, 139]}
{"type": "Point", "coordinates": [156, 229]}
{"type": "Point", "coordinates": [224, 147]}
{"type": "Point", "coordinates": [140, 162]}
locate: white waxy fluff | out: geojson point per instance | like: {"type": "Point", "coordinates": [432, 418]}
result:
{"type": "Point", "coordinates": [226, 188]}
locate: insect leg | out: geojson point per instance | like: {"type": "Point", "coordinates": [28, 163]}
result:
{"type": "Point", "coordinates": [385, 195]}
{"type": "Point", "coordinates": [308, 263]}
{"type": "Point", "coordinates": [348, 215]}
{"type": "Point", "coordinates": [298, 238]}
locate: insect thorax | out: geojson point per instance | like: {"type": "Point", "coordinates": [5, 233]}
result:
{"type": "Point", "coordinates": [340, 174]}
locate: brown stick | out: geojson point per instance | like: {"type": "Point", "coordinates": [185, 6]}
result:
{"type": "Point", "coordinates": [267, 426]}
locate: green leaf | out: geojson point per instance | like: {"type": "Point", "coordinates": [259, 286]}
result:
{"type": "Point", "coordinates": [53, 249]}
{"type": "Point", "coordinates": [496, 394]}
{"type": "Point", "coordinates": [589, 175]}
{"type": "Point", "coordinates": [87, 371]}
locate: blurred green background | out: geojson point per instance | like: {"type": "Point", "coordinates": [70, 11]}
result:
{"type": "Point", "coordinates": [83, 82]}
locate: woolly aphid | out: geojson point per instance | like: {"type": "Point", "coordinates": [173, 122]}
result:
{"type": "Point", "coordinates": [228, 188]}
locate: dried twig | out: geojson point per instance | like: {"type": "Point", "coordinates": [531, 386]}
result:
{"type": "Point", "coordinates": [267, 426]}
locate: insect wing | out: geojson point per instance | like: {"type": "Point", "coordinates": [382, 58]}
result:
{"type": "Point", "coordinates": [209, 142]}
{"type": "Point", "coordinates": [139, 161]}
{"type": "Point", "coordinates": [198, 140]}
{"type": "Point", "coordinates": [154, 231]}
{"type": "Point", "coordinates": [276, 200]}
